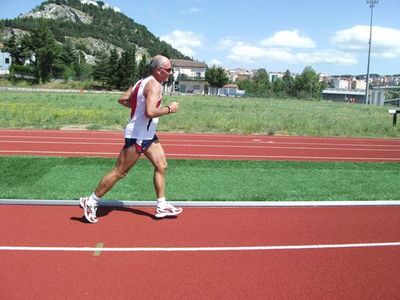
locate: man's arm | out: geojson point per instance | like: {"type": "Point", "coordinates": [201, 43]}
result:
{"type": "Point", "coordinates": [125, 98]}
{"type": "Point", "coordinates": [152, 92]}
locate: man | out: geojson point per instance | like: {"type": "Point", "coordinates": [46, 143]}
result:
{"type": "Point", "coordinates": [145, 100]}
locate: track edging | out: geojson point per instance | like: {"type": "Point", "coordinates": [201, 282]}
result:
{"type": "Point", "coordinates": [208, 203]}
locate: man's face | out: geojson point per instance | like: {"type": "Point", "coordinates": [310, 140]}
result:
{"type": "Point", "coordinates": [165, 72]}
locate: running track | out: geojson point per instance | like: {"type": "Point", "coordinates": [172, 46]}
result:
{"type": "Point", "coordinates": [49, 252]}
{"type": "Point", "coordinates": [202, 146]}
{"type": "Point", "coordinates": [346, 254]}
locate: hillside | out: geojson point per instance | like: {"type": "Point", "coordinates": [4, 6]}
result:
{"type": "Point", "coordinates": [94, 27]}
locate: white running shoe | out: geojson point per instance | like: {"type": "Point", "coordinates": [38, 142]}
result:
{"type": "Point", "coordinates": [90, 210]}
{"type": "Point", "coordinates": [167, 210]}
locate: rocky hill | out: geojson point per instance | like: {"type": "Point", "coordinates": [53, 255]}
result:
{"type": "Point", "coordinates": [94, 27]}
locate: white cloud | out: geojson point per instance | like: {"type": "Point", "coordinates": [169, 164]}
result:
{"type": "Point", "coordinates": [241, 52]}
{"type": "Point", "coordinates": [327, 56]}
{"type": "Point", "coordinates": [385, 41]}
{"type": "Point", "coordinates": [252, 54]}
{"type": "Point", "coordinates": [348, 47]}
{"type": "Point", "coordinates": [184, 41]}
{"type": "Point", "coordinates": [227, 43]}
{"type": "Point", "coordinates": [186, 50]}
{"type": "Point", "coordinates": [215, 62]}
{"type": "Point", "coordinates": [246, 53]}
{"type": "Point", "coordinates": [289, 39]}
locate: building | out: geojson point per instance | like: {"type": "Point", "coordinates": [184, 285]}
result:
{"type": "Point", "coordinates": [188, 76]}
{"type": "Point", "coordinates": [5, 61]}
{"type": "Point", "coordinates": [239, 74]}
{"type": "Point", "coordinates": [358, 84]}
{"type": "Point", "coordinates": [229, 90]}
{"type": "Point", "coordinates": [344, 95]}
{"type": "Point", "coordinates": [349, 83]}
{"type": "Point", "coordinates": [376, 96]}
{"type": "Point", "coordinates": [273, 76]}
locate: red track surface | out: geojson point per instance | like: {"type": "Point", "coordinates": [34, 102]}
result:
{"type": "Point", "coordinates": [202, 146]}
{"type": "Point", "coordinates": [353, 273]}
{"type": "Point", "coordinates": [340, 273]}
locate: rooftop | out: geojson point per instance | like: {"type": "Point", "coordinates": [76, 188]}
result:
{"type": "Point", "coordinates": [187, 63]}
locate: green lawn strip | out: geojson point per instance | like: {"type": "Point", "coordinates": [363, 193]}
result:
{"type": "Point", "coordinates": [200, 114]}
{"type": "Point", "coordinates": [70, 178]}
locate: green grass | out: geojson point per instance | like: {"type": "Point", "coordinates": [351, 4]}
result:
{"type": "Point", "coordinates": [199, 114]}
{"type": "Point", "coordinates": [70, 178]}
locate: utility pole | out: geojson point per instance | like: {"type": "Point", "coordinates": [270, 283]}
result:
{"type": "Point", "coordinates": [371, 4]}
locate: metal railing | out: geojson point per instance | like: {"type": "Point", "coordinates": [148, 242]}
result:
{"type": "Point", "coordinates": [183, 77]}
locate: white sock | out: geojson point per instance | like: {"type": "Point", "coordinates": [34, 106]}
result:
{"type": "Point", "coordinates": [161, 201]}
{"type": "Point", "coordinates": [94, 200]}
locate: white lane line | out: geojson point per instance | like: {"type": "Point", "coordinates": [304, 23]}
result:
{"type": "Point", "coordinates": [20, 132]}
{"type": "Point", "coordinates": [171, 155]}
{"type": "Point", "coordinates": [57, 152]}
{"type": "Point", "coordinates": [186, 144]}
{"type": "Point", "coordinates": [313, 158]}
{"type": "Point", "coordinates": [198, 249]}
{"type": "Point", "coordinates": [119, 140]}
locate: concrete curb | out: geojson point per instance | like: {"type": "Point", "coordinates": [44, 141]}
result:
{"type": "Point", "coordinates": [209, 203]}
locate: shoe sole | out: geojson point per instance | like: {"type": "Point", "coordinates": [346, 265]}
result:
{"type": "Point", "coordinates": [82, 204]}
{"type": "Point", "coordinates": [163, 215]}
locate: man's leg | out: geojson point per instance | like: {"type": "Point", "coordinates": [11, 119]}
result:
{"type": "Point", "coordinates": [126, 160]}
{"type": "Point", "coordinates": [155, 153]}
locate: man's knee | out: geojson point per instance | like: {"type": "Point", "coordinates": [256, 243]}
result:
{"type": "Point", "coordinates": [119, 174]}
{"type": "Point", "coordinates": [162, 166]}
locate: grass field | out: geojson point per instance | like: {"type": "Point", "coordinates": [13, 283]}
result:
{"type": "Point", "coordinates": [70, 178]}
{"type": "Point", "coordinates": [199, 114]}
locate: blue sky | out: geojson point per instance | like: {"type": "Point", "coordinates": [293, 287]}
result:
{"type": "Point", "coordinates": [330, 36]}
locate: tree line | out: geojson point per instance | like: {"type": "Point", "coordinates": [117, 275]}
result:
{"type": "Point", "coordinates": [106, 25]}
{"type": "Point", "coordinates": [39, 57]}
{"type": "Point", "coordinates": [303, 86]}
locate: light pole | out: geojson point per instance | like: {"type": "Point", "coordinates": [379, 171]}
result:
{"type": "Point", "coordinates": [371, 4]}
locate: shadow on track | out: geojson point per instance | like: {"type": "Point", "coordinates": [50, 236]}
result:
{"type": "Point", "coordinates": [104, 210]}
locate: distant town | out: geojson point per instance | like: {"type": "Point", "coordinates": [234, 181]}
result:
{"type": "Point", "coordinates": [334, 81]}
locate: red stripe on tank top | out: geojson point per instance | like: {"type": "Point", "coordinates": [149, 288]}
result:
{"type": "Point", "coordinates": [133, 98]}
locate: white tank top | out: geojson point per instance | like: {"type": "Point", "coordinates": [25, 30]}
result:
{"type": "Point", "coordinates": [140, 127]}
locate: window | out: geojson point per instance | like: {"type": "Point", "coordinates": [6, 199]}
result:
{"type": "Point", "coordinates": [7, 60]}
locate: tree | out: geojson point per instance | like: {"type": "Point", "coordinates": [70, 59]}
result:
{"type": "Point", "coordinates": [63, 62]}
{"type": "Point", "coordinates": [249, 86]}
{"type": "Point", "coordinates": [15, 50]}
{"type": "Point", "coordinates": [165, 51]}
{"type": "Point", "coordinates": [307, 84]}
{"type": "Point", "coordinates": [67, 55]}
{"type": "Point", "coordinates": [106, 69]}
{"type": "Point", "coordinates": [288, 84]}
{"type": "Point", "coordinates": [45, 50]}
{"type": "Point", "coordinates": [278, 88]}
{"type": "Point", "coordinates": [100, 72]}
{"type": "Point", "coordinates": [263, 85]}
{"type": "Point", "coordinates": [127, 68]}
{"type": "Point", "coordinates": [112, 71]}
{"type": "Point", "coordinates": [143, 69]}
{"type": "Point", "coordinates": [216, 77]}
{"type": "Point", "coordinates": [82, 69]}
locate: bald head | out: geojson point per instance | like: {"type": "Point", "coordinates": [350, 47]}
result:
{"type": "Point", "coordinates": [158, 61]}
